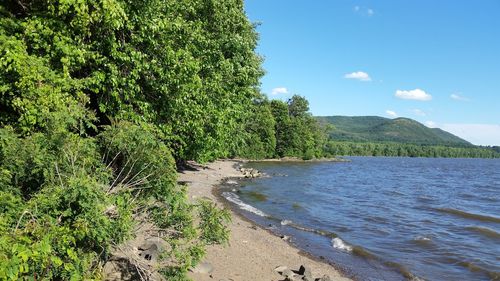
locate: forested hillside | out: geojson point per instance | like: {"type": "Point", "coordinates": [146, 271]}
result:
{"type": "Point", "coordinates": [399, 137]}
{"type": "Point", "coordinates": [380, 129]}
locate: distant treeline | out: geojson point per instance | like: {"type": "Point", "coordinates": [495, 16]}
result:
{"type": "Point", "coordinates": [343, 148]}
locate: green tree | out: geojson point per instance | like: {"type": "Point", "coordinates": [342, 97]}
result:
{"type": "Point", "coordinates": [260, 134]}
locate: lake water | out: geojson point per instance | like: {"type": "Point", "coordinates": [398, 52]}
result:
{"type": "Point", "coordinates": [380, 218]}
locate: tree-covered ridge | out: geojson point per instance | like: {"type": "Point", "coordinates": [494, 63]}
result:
{"type": "Point", "coordinates": [379, 129]}
{"type": "Point", "coordinates": [399, 137]}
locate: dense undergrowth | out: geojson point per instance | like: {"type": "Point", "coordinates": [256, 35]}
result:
{"type": "Point", "coordinates": [65, 200]}
{"type": "Point", "coordinates": [99, 100]}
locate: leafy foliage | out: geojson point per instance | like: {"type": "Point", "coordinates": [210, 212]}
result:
{"type": "Point", "coordinates": [297, 132]}
{"type": "Point", "coordinates": [54, 221]}
{"type": "Point", "coordinates": [213, 223]}
{"type": "Point", "coordinates": [259, 132]}
{"type": "Point", "coordinates": [99, 99]}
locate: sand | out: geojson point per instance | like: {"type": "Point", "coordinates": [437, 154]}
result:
{"type": "Point", "coordinates": [253, 253]}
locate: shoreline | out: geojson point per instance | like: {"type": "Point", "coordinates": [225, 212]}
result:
{"type": "Point", "coordinates": [295, 160]}
{"type": "Point", "coordinates": [253, 252]}
{"type": "Point", "coordinates": [216, 192]}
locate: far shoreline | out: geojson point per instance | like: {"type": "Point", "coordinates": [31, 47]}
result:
{"type": "Point", "coordinates": [295, 160]}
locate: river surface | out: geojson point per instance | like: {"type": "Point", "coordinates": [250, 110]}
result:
{"type": "Point", "coordinates": [381, 218]}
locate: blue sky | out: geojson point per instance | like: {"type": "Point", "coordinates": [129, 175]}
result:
{"type": "Point", "coordinates": [437, 62]}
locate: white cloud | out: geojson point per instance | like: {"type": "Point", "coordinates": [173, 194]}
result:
{"type": "Point", "coordinates": [365, 11]}
{"type": "Point", "coordinates": [391, 113]}
{"type": "Point", "coordinates": [458, 97]}
{"type": "Point", "coordinates": [358, 75]}
{"type": "Point", "coordinates": [418, 112]}
{"type": "Point", "coordinates": [416, 94]}
{"type": "Point", "coordinates": [479, 134]}
{"type": "Point", "coordinates": [279, 90]}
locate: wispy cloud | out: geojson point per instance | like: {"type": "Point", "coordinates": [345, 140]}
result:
{"type": "Point", "coordinates": [479, 134]}
{"type": "Point", "coordinates": [358, 75]}
{"type": "Point", "coordinates": [391, 113]}
{"type": "Point", "coordinates": [458, 97]}
{"type": "Point", "coordinates": [418, 112]}
{"type": "Point", "coordinates": [365, 11]}
{"type": "Point", "coordinates": [279, 91]}
{"type": "Point", "coordinates": [430, 124]}
{"type": "Point", "coordinates": [416, 94]}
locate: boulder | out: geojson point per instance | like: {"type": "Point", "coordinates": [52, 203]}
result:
{"type": "Point", "coordinates": [305, 271]}
{"type": "Point", "coordinates": [287, 273]}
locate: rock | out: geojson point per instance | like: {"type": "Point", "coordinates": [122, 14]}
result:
{"type": "Point", "coordinates": [150, 249]}
{"type": "Point", "coordinates": [305, 271]}
{"type": "Point", "coordinates": [285, 237]}
{"type": "Point", "coordinates": [287, 273]}
{"type": "Point", "coordinates": [204, 268]}
{"type": "Point", "coordinates": [250, 172]}
{"type": "Point", "coordinates": [280, 268]}
{"type": "Point", "coordinates": [232, 182]}
{"type": "Point", "coordinates": [305, 278]}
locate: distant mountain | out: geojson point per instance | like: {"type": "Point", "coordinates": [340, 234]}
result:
{"type": "Point", "coordinates": [380, 129]}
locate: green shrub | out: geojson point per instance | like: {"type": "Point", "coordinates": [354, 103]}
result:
{"type": "Point", "coordinates": [213, 223]}
{"type": "Point", "coordinates": [139, 160]}
{"type": "Point", "coordinates": [55, 220]}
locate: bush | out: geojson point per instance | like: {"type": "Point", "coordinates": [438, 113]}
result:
{"type": "Point", "coordinates": [213, 223]}
{"type": "Point", "coordinates": [138, 160]}
{"type": "Point", "coordinates": [55, 220]}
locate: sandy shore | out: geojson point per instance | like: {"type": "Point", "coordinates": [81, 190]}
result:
{"type": "Point", "coordinates": [253, 253]}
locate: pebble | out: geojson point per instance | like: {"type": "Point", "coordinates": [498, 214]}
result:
{"type": "Point", "coordinates": [203, 268]}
